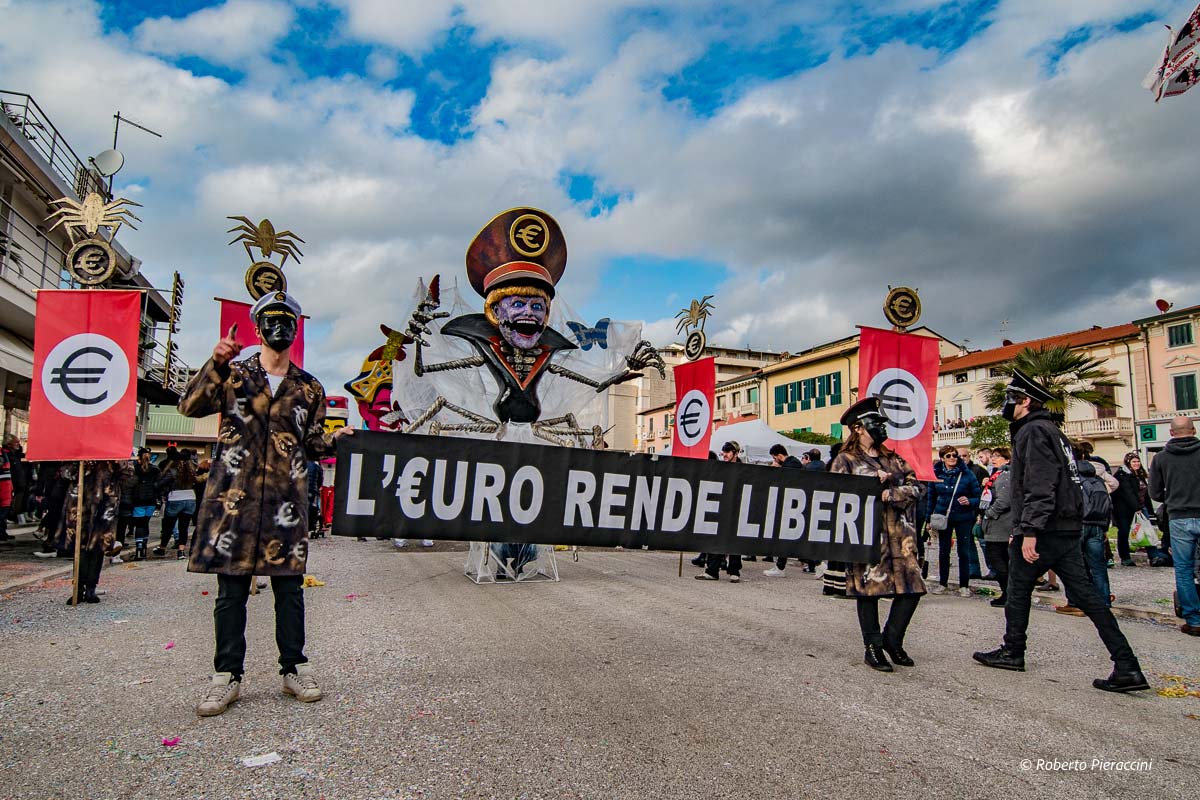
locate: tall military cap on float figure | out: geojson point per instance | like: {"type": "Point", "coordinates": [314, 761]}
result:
{"type": "Point", "coordinates": [518, 246]}
{"type": "Point", "coordinates": [1024, 384]}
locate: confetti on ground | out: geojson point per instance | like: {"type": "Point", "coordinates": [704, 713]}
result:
{"type": "Point", "coordinates": [204, 593]}
{"type": "Point", "coordinates": [263, 760]}
{"type": "Point", "coordinates": [1179, 686]}
{"type": "Point", "coordinates": [170, 741]}
{"type": "Point", "coordinates": [169, 645]}
{"type": "Point", "coordinates": [354, 596]}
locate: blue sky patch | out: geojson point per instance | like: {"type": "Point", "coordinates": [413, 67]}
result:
{"type": "Point", "coordinates": [1053, 52]}
{"type": "Point", "coordinates": [728, 67]}
{"type": "Point", "coordinates": [651, 287]}
{"type": "Point", "coordinates": [583, 190]}
{"type": "Point", "coordinates": [944, 28]}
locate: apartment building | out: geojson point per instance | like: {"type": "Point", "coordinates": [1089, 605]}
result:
{"type": "Point", "coordinates": [1172, 365]}
{"type": "Point", "coordinates": [37, 166]}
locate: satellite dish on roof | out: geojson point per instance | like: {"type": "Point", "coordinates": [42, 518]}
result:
{"type": "Point", "coordinates": [108, 163]}
{"type": "Point", "coordinates": [1163, 306]}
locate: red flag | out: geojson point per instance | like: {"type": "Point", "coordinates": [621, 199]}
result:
{"type": "Point", "coordinates": [247, 333]}
{"type": "Point", "coordinates": [695, 385]}
{"type": "Point", "coordinates": [85, 368]}
{"type": "Point", "coordinates": [902, 369]}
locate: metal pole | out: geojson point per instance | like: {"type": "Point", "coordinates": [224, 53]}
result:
{"type": "Point", "coordinates": [681, 563]}
{"type": "Point", "coordinates": [78, 538]}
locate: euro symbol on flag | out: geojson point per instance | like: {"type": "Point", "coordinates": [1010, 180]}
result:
{"type": "Point", "coordinates": [67, 375]}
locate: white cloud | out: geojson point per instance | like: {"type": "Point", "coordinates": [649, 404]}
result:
{"type": "Point", "coordinates": [999, 191]}
{"type": "Point", "coordinates": [226, 34]}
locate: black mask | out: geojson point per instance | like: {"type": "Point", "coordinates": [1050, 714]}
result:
{"type": "Point", "coordinates": [278, 331]}
{"type": "Point", "coordinates": [1011, 401]}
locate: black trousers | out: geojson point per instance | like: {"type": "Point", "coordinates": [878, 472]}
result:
{"type": "Point", "coordinates": [90, 562]}
{"type": "Point", "coordinates": [997, 559]}
{"type": "Point", "coordinates": [169, 526]}
{"type": "Point", "coordinates": [1060, 552]}
{"type": "Point", "coordinates": [230, 618]}
{"type": "Point", "coordinates": [903, 608]}
{"type": "Point", "coordinates": [713, 562]}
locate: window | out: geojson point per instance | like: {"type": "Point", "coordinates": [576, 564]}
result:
{"type": "Point", "coordinates": [1179, 335]}
{"type": "Point", "coordinates": [651, 423]}
{"type": "Point", "coordinates": [996, 372]}
{"type": "Point", "coordinates": [737, 399]}
{"type": "Point", "coordinates": [1185, 392]}
{"type": "Point", "coordinates": [720, 402]}
{"type": "Point", "coordinates": [835, 430]}
{"type": "Point", "coordinates": [960, 377]}
{"type": "Point", "coordinates": [835, 389]}
{"type": "Point", "coordinates": [1107, 413]}
{"type": "Point", "coordinates": [670, 420]}
{"type": "Point", "coordinates": [650, 450]}
{"type": "Point", "coordinates": [780, 399]}
{"type": "Point", "coordinates": [752, 394]}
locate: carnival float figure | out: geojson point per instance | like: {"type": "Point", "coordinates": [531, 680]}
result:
{"type": "Point", "coordinates": [542, 383]}
{"type": "Point", "coordinates": [514, 264]}
{"type": "Point", "coordinates": [372, 389]}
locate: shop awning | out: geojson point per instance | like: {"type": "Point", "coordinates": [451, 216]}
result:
{"type": "Point", "coordinates": [16, 355]}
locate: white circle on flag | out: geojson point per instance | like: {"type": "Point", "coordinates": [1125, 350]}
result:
{"type": "Point", "coordinates": [903, 400]}
{"type": "Point", "coordinates": [85, 375]}
{"type": "Point", "coordinates": [693, 418]}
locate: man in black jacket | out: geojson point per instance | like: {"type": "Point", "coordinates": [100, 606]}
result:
{"type": "Point", "coordinates": [1175, 482]}
{"type": "Point", "coordinates": [1047, 514]}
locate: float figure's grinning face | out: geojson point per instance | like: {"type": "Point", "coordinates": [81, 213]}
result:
{"type": "Point", "coordinates": [522, 320]}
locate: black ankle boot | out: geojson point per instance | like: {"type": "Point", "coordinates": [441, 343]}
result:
{"type": "Point", "coordinates": [898, 655]}
{"type": "Point", "coordinates": [88, 595]}
{"type": "Point", "coordinates": [1002, 658]}
{"type": "Point", "coordinates": [1122, 680]}
{"type": "Point", "coordinates": [875, 659]}
{"type": "Point", "coordinates": [999, 602]}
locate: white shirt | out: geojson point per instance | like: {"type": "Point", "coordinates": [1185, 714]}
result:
{"type": "Point", "coordinates": [274, 380]}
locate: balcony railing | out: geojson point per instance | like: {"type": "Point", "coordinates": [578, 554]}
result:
{"type": "Point", "coordinates": [28, 259]}
{"type": "Point", "coordinates": [166, 421]}
{"type": "Point", "coordinates": [1112, 427]}
{"type": "Point", "coordinates": [28, 117]}
{"type": "Point", "coordinates": [951, 436]}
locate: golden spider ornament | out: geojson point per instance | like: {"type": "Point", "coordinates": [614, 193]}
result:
{"type": "Point", "coordinates": [266, 239]}
{"type": "Point", "coordinates": [695, 314]}
{"type": "Point", "coordinates": [92, 214]}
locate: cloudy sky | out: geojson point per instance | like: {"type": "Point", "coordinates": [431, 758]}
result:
{"type": "Point", "coordinates": [792, 159]}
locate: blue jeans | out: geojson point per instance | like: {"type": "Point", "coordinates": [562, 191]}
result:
{"type": "Point", "coordinates": [1184, 536]}
{"type": "Point", "coordinates": [1091, 542]}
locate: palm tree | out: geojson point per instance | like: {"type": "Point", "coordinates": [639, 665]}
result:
{"type": "Point", "coordinates": [1070, 376]}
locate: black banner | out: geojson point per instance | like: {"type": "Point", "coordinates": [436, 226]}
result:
{"type": "Point", "coordinates": [436, 487]}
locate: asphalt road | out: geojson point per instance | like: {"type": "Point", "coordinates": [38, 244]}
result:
{"type": "Point", "coordinates": [622, 681]}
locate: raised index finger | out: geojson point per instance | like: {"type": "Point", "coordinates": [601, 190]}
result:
{"type": "Point", "coordinates": [232, 332]}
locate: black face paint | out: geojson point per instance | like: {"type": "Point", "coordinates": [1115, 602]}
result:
{"type": "Point", "coordinates": [876, 427]}
{"type": "Point", "coordinates": [278, 331]}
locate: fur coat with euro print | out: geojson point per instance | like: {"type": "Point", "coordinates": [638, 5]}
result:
{"type": "Point", "coordinates": [897, 571]}
{"type": "Point", "coordinates": [253, 518]}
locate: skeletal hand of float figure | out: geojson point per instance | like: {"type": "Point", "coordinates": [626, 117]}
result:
{"type": "Point", "coordinates": [552, 430]}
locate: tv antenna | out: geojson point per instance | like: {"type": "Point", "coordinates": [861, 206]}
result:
{"type": "Point", "coordinates": [116, 132]}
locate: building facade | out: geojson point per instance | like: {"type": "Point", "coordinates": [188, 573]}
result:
{"type": "Point", "coordinates": [963, 381]}
{"type": "Point", "coordinates": [37, 167]}
{"type": "Point", "coordinates": [1172, 374]}
{"type": "Point", "coordinates": [810, 391]}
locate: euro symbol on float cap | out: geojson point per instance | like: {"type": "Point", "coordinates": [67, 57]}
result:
{"type": "Point", "coordinates": [67, 375]}
{"type": "Point", "coordinates": [528, 233]}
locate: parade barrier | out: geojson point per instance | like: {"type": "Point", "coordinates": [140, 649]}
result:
{"type": "Point", "coordinates": [448, 488]}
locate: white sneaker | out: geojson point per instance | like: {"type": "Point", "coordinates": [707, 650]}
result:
{"type": "Point", "coordinates": [221, 692]}
{"type": "Point", "coordinates": [937, 588]}
{"type": "Point", "coordinates": [773, 572]}
{"type": "Point", "coordinates": [965, 592]}
{"type": "Point", "coordinates": [399, 543]}
{"type": "Point", "coordinates": [735, 578]}
{"type": "Point", "coordinates": [40, 554]}
{"type": "Point", "coordinates": [116, 560]}
{"type": "Point", "coordinates": [302, 685]}
{"type": "Point", "coordinates": [261, 582]}
{"type": "Point", "coordinates": [427, 543]}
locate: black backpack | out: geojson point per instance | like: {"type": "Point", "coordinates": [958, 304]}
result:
{"type": "Point", "coordinates": [1097, 504]}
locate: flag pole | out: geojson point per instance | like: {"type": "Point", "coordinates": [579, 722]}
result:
{"type": "Point", "coordinates": [78, 538]}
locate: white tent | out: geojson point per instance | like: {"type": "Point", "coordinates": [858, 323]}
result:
{"type": "Point", "coordinates": [756, 440]}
